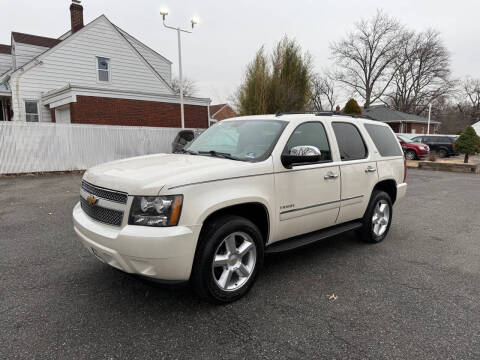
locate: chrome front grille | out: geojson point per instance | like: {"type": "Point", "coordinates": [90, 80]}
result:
{"type": "Point", "coordinates": [112, 195]}
{"type": "Point", "coordinates": [102, 214]}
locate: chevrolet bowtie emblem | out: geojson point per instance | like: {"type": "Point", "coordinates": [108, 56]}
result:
{"type": "Point", "coordinates": [92, 200]}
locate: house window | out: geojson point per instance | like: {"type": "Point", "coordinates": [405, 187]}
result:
{"type": "Point", "coordinates": [103, 69]}
{"type": "Point", "coordinates": [31, 111]}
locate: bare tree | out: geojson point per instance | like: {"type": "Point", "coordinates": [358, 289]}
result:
{"type": "Point", "coordinates": [469, 104]}
{"type": "Point", "coordinates": [423, 73]}
{"type": "Point", "coordinates": [323, 93]}
{"type": "Point", "coordinates": [189, 86]}
{"type": "Point", "coordinates": [366, 57]}
{"type": "Point", "coordinates": [471, 90]}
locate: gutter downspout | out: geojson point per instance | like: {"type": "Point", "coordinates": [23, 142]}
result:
{"type": "Point", "coordinates": [17, 87]}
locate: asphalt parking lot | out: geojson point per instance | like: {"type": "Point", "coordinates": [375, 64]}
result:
{"type": "Point", "coordinates": [416, 295]}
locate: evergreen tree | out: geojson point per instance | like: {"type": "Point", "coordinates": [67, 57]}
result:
{"type": "Point", "coordinates": [352, 107]}
{"type": "Point", "coordinates": [467, 143]}
{"type": "Point", "coordinates": [280, 82]}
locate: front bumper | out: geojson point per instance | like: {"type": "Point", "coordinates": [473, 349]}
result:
{"type": "Point", "coordinates": [422, 153]}
{"type": "Point", "coordinates": [161, 253]}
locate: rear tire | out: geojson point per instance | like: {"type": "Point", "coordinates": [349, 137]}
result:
{"type": "Point", "coordinates": [228, 259]}
{"type": "Point", "coordinates": [377, 218]}
{"type": "Point", "coordinates": [410, 155]}
{"type": "Point", "coordinates": [443, 153]}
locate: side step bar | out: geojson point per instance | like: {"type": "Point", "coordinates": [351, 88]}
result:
{"type": "Point", "coordinates": [302, 240]}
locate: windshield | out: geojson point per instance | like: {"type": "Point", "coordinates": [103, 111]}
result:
{"type": "Point", "coordinates": [405, 139]}
{"type": "Point", "coordinates": [246, 140]}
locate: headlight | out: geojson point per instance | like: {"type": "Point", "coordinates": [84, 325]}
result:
{"type": "Point", "coordinates": [155, 210]}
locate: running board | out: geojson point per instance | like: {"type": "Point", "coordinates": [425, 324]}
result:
{"type": "Point", "coordinates": [302, 240]}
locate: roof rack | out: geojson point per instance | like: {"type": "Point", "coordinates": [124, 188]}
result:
{"type": "Point", "coordinates": [322, 113]}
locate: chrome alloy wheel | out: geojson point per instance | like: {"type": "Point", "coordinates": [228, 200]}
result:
{"type": "Point", "coordinates": [381, 217]}
{"type": "Point", "coordinates": [234, 261]}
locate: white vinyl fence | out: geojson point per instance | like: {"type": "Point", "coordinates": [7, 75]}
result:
{"type": "Point", "coordinates": [36, 147]}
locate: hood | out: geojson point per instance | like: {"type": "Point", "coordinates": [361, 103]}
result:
{"type": "Point", "coordinates": [416, 144]}
{"type": "Point", "coordinates": [147, 175]}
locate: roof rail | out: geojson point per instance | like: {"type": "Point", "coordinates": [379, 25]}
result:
{"type": "Point", "coordinates": [322, 113]}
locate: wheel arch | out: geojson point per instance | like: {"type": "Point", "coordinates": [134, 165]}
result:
{"type": "Point", "coordinates": [255, 211]}
{"type": "Point", "coordinates": [389, 186]}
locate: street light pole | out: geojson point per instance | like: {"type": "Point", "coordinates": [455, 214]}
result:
{"type": "Point", "coordinates": [429, 113]}
{"type": "Point", "coordinates": [179, 31]}
{"type": "Point", "coordinates": [182, 114]}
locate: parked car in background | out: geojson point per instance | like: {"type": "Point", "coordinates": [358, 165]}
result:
{"type": "Point", "coordinates": [183, 138]}
{"type": "Point", "coordinates": [443, 145]}
{"type": "Point", "coordinates": [413, 150]}
{"type": "Point", "coordinates": [245, 187]}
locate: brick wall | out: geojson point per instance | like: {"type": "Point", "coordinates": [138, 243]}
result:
{"type": "Point", "coordinates": [52, 114]}
{"type": "Point", "coordinates": [110, 111]}
{"type": "Point", "coordinates": [225, 113]}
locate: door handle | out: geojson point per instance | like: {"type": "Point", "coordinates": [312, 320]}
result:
{"type": "Point", "coordinates": [330, 175]}
{"type": "Point", "coordinates": [370, 169]}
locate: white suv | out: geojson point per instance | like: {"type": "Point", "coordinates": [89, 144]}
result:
{"type": "Point", "coordinates": [245, 187]}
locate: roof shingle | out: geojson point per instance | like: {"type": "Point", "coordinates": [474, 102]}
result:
{"type": "Point", "coordinates": [35, 40]}
{"type": "Point", "coordinates": [386, 114]}
{"type": "Point", "coordinates": [5, 49]}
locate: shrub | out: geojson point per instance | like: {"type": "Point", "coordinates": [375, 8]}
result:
{"type": "Point", "coordinates": [352, 107]}
{"type": "Point", "coordinates": [467, 143]}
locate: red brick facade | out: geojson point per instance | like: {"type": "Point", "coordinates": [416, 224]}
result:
{"type": "Point", "coordinates": [126, 112]}
{"type": "Point", "coordinates": [225, 112]}
{"type": "Point", "coordinates": [52, 114]}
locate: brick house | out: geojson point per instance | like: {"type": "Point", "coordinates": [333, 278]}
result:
{"type": "Point", "coordinates": [93, 74]}
{"type": "Point", "coordinates": [221, 111]}
{"type": "Point", "coordinates": [401, 122]}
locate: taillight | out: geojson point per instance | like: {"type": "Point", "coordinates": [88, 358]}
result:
{"type": "Point", "coordinates": [404, 169]}
{"type": "Point", "coordinates": [453, 146]}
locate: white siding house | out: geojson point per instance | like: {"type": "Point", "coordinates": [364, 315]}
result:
{"type": "Point", "coordinates": [92, 71]}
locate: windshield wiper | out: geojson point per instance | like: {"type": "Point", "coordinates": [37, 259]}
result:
{"type": "Point", "coordinates": [191, 152]}
{"type": "Point", "coordinates": [220, 155]}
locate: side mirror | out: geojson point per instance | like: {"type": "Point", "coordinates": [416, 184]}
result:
{"type": "Point", "coordinates": [301, 155]}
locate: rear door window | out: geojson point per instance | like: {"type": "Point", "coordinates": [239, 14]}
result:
{"type": "Point", "coordinates": [350, 142]}
{"type": "Point", "coordinates": [384, 140]}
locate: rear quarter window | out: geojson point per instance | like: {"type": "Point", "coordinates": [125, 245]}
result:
{"type": "Point", "coordinates": [384, 140]}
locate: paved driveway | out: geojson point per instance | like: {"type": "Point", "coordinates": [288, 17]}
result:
{"type": "Point", "coordinates": [416, 295]}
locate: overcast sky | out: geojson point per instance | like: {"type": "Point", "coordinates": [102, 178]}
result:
{"type": "Point", "coordinates": [231, 31]}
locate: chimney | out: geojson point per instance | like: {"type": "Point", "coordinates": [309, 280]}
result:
{"type": "Point", "coordinates": [76, 15]}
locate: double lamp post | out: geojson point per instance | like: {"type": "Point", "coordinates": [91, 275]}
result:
{"type": "Point", "coordinates": [164, 13]}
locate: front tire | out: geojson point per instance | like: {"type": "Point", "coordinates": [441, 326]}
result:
{"type": "Point", "coordinates": [228, 259]}
{"type": "Point", "coordinates": [377, 218]}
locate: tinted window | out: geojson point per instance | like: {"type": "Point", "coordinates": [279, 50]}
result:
{"type": "Point", "coordinates": [384, 140]}
{"type": "Point", "coordinates": [430, 139]}
{"type": "Point", "coordinates": [312, 133]}
{"type": "Point", "coordinates": [350, 142]}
